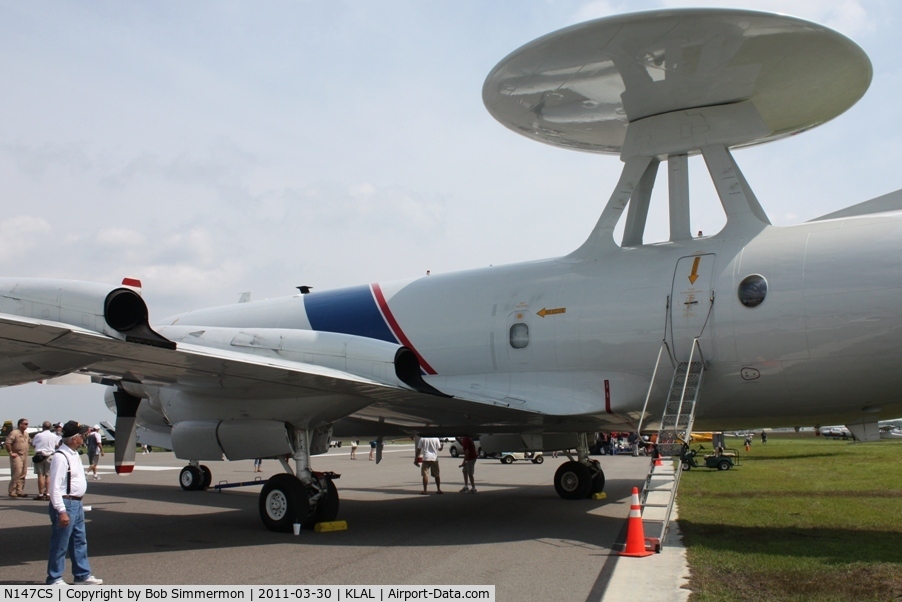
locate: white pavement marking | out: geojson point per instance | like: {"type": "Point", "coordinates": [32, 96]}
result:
{"type": "Point", "coordinates": [5, 472]}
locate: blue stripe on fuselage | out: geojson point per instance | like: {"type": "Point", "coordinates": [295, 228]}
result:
{"type": "Point", "coordinates": [348, 311]}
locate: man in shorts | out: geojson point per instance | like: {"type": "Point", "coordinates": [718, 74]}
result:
{"type": "Point", "coordinates": [95, 450]}
{"type": "Point", "coordinates": [45, 443]}
{"type": "Point", "coordinates": [428, 449]}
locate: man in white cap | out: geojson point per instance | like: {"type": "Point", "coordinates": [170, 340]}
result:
{"type": "Point", "coordinates": [67, 488]}
{"type": "Point", "coordinates": [95, 449]}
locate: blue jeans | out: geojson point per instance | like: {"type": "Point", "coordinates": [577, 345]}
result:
{"type": "Point", "coordinates": [73, 539]}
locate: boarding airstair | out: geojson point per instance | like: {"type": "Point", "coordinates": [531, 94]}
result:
{"type": "Point", "coordinates": [662, 481]}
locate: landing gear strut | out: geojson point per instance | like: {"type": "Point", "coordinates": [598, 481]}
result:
{"type": "Point", "coordinates": [580, 478]}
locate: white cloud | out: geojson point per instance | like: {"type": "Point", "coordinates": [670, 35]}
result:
{"type": "Point", "coordinates": [119, 238]}
{"type": "Point", "coordinates": [20, 234]}
{"type": "Point", "coordinates": [362, 190]}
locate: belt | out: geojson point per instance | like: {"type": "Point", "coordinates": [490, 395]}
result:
{"type": "Point", "coordinates": [72, 497]}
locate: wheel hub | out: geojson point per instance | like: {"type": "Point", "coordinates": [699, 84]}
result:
{"type": "Point", "coordinates": [569, 481]}
{"type": "Point", "coordinates": [276, 505]}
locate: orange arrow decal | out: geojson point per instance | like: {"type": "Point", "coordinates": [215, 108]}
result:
{"type": "Point", "coordinates": [694, 275]}
{"type": "Point", "coordinates": [550, 312]}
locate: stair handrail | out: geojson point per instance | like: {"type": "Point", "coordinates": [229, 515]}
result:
{"type": "Point", "coordinates": [665, 526]}
{"type": "Point", "coordinates": [651, 383]}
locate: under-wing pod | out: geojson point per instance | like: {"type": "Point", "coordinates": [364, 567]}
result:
{"type": "Point", "coordinates": [234, 439]}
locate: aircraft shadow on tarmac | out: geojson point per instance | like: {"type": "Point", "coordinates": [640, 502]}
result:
{"type": "Point", "coordinates": [142, 519]}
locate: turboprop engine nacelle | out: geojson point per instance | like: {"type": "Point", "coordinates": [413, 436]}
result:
{"type": "Point", "coordinates": [118, 312]}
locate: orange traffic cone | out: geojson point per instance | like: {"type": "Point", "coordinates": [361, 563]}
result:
{"type": "Point", "coordinates": [635, 533]}
{"type": "Point", "coordinates": [658, 461]}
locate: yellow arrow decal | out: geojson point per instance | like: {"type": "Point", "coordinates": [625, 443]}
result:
{"type": "Point", "coordinates": [550, 312]}
{"type": "Point", "coordinates": [694, 275]}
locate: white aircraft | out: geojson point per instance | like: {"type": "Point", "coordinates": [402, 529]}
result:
{"type": "Point", "coordinates": [796, 325]}
{"type": "Point", "coordinates": [870, 431]}
{"type": "Point", "coordinates": [833, 432]}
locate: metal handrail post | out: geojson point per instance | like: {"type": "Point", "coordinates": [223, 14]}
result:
{"type": "Point", "coordinates": [686, 382]}
{"type": "Point", "coordinates": [651, 384]}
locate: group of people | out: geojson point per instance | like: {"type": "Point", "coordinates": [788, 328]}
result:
{"type": "Point", "coordinates": [45, 442]}
{"type": "Point", "coordinates": [427, 450]}
{"type": "Point", "coordinates": [748, 440]}
{"type": "Point", "coordinates": [614, 443]}
{"type": "Point", "coordinates": [62, 482]}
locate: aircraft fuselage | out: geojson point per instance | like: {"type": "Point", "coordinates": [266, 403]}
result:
{"type": "Point", "coordinates": [584, 334]}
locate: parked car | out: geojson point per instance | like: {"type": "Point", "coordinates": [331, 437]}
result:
{"type": "Point", "coordinates": [456, 449]}
{"type": "Point", "coordinates": [511, 457]}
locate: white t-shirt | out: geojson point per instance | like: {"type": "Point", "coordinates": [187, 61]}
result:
{"type": "Point", "coordinates": [429, 448]}
{"type": "Point", "coordinates": [45, 442]}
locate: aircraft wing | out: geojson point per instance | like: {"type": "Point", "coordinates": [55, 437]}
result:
{"type": "Point", "coordinates": [50, 328]}
{"type": "Point", "coordinates": [32, 350]}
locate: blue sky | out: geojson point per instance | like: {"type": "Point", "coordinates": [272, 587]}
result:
{"type": "Point", "coordinates": [212, 148]}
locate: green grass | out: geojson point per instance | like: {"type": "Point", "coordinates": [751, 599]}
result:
{"type": "Point", "coordinates": [802, 518]}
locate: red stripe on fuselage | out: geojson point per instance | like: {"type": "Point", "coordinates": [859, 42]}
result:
{"type": "Point", "coordinates": [396, 328]}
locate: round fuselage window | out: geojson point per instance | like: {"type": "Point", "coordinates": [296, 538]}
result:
{"type": "Point", "coordinates": [752, 290]}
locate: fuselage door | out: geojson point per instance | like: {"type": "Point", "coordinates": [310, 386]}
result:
{"type": "Point", "coordinates": [690, 304]}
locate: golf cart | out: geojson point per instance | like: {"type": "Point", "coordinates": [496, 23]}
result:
{"type": "Point", "coordinates": [721, 458]}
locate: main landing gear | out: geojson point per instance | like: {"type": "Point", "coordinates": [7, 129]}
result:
{"type": "Point", "coordinates": [299, 495]}
{"type": "Point", "coordinates": [580, 478]}
{"type": "Point", "coordinates": [286, 500]}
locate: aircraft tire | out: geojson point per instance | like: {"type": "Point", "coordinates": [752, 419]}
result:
{"type": "Point", "coordinates": [327, 508]}
{"type": "Point", "coordinates": [191, 478]}
{"type": "Point", "coordinates": [598, 483]}
{"type": "Point", "coordinates": [573, 480]}
{"type": "Point", "coordinates": [283, 502]}
{"type": "Point", "coordinates": [208, 477]}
